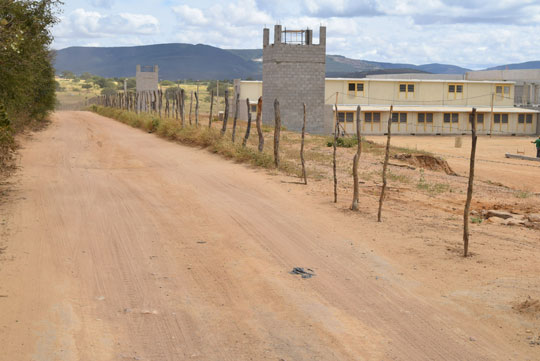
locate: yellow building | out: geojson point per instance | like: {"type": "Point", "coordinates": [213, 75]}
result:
{"type": "Point", "coordinates": [419, 106]}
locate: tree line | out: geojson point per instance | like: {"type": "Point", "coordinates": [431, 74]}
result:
{"type": "Point", "coordinates": [27, 84]}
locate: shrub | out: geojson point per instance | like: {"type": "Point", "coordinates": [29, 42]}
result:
{"type": "Point", "coordinates": [344, 142]}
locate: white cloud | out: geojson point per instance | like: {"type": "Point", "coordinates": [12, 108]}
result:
{"type": "Point", "coordinates": [190, 15]}
{"type": "Point", "coordinates": [470, 33]}
{"type": "Point", "coordinates": [92, 24]}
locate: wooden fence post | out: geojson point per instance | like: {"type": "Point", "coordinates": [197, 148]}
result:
{"type": "Point", "coordinates": [226, 113]}
{"type": "Point", "coordinates": [277, 131]}
{"type": "Point", "coordinates": [356, 158]}
{"type": "Point", "coordinates": [197, 109]}
{"type": "Point", "coordinates": [190, 106]}
{"type": "Point", "coordinates": [385, 164]}
{"type": "Point", "coordinates": [334, 144]}
{"type": "Point", "coordinates": [466, 212]}
{"type": "Point", "coordinates": [211, 108]}
{"type": "Point", "coordinates": [248, 129]}
{"type": "Point", "coordinates": [160, 101]}
{"type": "Point", "coordinates": [304, 175]}
{"type": "Point", "coordinates": [182, 107]}
{"type": "Point", "coordinates": [259, 124]}
{"type": "Point", "coordinates": [236, 103]}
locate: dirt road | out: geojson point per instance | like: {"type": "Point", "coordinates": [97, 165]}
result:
{"type": "Point", "coordinates": [123, 246]}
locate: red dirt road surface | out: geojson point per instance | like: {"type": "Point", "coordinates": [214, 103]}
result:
{"type": "Point", "coordinates": [123, 246]}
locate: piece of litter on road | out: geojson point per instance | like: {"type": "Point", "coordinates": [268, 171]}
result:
{"type": "Point", "coordinates": [305, 273]}
{"type": "Point", "coordinates": [201, 242]}
{"type": "Point", "coordinates": [101, 298]}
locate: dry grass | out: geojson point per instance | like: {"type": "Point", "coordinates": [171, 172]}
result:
{"type": "Point", "coordinates": [202, 136]}
{"type": "Point", "coordinates": [317, 153]}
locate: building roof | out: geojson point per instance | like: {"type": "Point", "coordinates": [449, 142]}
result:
{"type": "Point", "coordinates": [424, 80]}
{"type": "Point", "coordinates": [432, 109]}
{"type": "Point", "coordinates": [409, 80]}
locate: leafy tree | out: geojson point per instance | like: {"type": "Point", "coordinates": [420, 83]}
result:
{"type": "Point", "coordinates": [131, 83]}
{"type": "Point", "coordinates": [104, 82]}
{"type": "Point", "coordinates": [166, 83]}
{"type": "Point", "coordinates": [27, 85]}
{"type": "Point", "coordinates": [86, 75]}
{"type": "Point", "coordinates": [223, 85]}
{"type": "Point", "coordinates": [170, 93]}
{"type": "Point", "coordinates": [108, 91]}
{"type": "Point", "coordinates": [66, 74]}
{"type": "Point", "coordinates": [4, 120]}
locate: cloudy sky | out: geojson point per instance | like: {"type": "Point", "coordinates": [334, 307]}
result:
{"type": "Point", "coordinates": [470, 33]}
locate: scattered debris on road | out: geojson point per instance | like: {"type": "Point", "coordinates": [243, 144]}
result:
{"type": "Point", "coordinates": [305, 273]}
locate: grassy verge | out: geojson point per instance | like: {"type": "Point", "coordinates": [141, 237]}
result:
{"type": "Point", "coordinates": [202, 136]}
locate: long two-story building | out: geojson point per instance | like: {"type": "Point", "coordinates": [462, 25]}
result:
{"type": "Point", "coordinates": [420, 106]}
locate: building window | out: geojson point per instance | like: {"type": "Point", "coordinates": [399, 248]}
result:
{"type": "Point", "coordinates": [399, 117]}
{"type": "Point", "coordinates": [451, 117]}
{"type": "Point", "coordinates": [374, 117]}
{"type": "Point", "coordinates": [356, 88]}
{"type": "Point", "coordinates": [479, 118]}
{"type": "Point", "coordinates": [500, 118]}
{"type": "Point", "coordinates": [253, 108]}
{"type": "Point", "coordinates": [425, 117]}
{"type": "Point", "coordinates": [502, 90]}
{"type": "Point", "coordinates": [454, 89]}
{"type": "Point", "coordinates": [346, 117]}
{"type": "Point", "coordinates": [407, 88]}
{"type": "Point", "coordinates": [522, 118]}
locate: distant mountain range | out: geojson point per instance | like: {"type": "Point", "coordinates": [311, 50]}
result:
{"type": "Point", "coordinates": [203, 62]}
{"type": "Point", "coordinates": [176, 61]}
{"type": "Point", "coordinates": [526, 65]}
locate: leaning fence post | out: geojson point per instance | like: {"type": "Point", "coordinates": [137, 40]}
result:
{"type": "Point", "coordinates": [226, 113]}
{"type": "Point", "coordinates": [211, 108]}
{"type": "Point", "coordinates": [385, 164]}
{"type": "Point", "coordinates": [277, 131]}
{"type": "Point", "coordinates": [304, 175]}
{"type": "Point", "coordinates": [235, 115]}
{"type": "Point", "coordinates": [196, 109]}
{"type": "Point", "coordinates": [470, 186]}
{"type": "Point", "coordinates": [259, 124]}
{"type": "Point", "coordinates": [248, 129]}
{"type": "Point", "coordinates": [356, 158]}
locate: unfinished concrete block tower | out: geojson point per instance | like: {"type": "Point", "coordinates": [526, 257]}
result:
{"type": "Point", "coordinates": [147, 78]}
{"type": "Point", "coordinates": [294, 73]}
